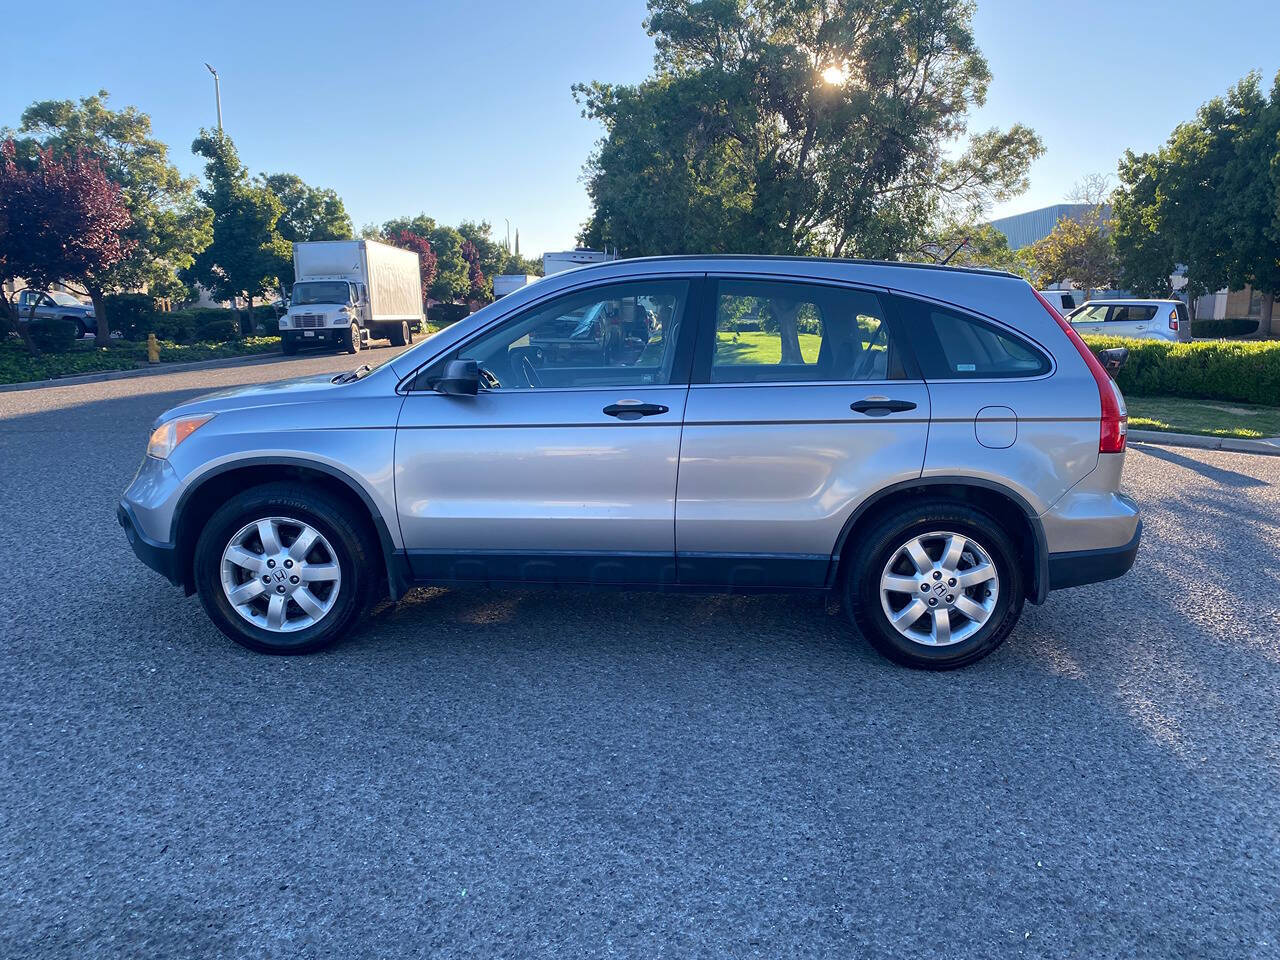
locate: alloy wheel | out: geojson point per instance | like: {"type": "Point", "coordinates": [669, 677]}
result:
{"type": "Point", "coordinates": [939, 588]}
{"type": "Point", "coordinates": [280, 574]}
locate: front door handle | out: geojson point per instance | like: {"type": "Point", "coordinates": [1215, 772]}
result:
{"type": "Point", "coordinates": [880, 406]}
{"type": "Point", "coordinates": [634, 409]}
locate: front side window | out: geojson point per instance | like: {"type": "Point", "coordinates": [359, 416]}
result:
{"type": "Point", "coordinates": [778, 332]}
{"type": "Point", "coordinates": [612, 336]}
{"type": "Point", "coordinates": [1090, 315]}
{"type": "Point", "coordinates": [955, 346]}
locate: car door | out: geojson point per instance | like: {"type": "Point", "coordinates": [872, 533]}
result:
{"type": "Point", "coordinates": [563, 467]}
{"type": "Point", "coordinates": [801, 406]}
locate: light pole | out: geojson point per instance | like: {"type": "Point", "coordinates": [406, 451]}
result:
{"type": "Point", "coordinates": [217, 94]}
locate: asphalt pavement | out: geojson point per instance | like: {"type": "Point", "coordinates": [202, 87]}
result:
{"type": "Point", "coordinates": [565, 774]}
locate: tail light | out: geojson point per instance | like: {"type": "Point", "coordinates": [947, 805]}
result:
{"type": "Point", "coordinates": [1173, 319]}
{"type": "Point", "coordinates": [1115, 423]}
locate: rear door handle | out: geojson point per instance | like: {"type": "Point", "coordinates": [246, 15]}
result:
{"type": "Point", "coordinates": [634, 409]}
{"type": "Point", "coordinates": [880, 406]}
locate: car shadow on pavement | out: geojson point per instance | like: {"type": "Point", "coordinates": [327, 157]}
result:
{"type": "Point", "coordinates": [1228, 478]}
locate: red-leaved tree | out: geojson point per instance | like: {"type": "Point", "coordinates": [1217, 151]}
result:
{"type": "Point", "coordinates": [426, 256]}
{"type": "Point", "coordinates": [59, 219]}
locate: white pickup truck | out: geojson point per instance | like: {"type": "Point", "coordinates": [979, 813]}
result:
{"type": "Point", "coordinates": [346, 291]}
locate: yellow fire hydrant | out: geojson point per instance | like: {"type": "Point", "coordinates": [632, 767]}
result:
{"type": "Point", "coordinates": [153, 349]}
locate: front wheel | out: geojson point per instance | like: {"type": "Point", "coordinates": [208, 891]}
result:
{"type": "Point", "coordinates": [353, 341]}
{"type": "Point", "coordinates": [82, 329]}
{"type": "Point", "coordinates": [936, 586]}
{"type": "Point", "coordinates": [289, 346]}
{"type": "Point", "coordinates": [281, 569]}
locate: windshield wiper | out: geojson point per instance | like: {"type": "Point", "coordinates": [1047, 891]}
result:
{"type": "Point", "coordinates": [355, 374]}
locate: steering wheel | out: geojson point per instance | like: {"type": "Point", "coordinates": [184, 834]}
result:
{"type": "Point", "coordinates": [530, 371]}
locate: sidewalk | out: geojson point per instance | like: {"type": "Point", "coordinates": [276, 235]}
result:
{"type": "Point", "coordinates": [1271, 445]}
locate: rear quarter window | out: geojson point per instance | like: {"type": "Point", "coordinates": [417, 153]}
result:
{"type": "Point", "coordinates": [951, 345]}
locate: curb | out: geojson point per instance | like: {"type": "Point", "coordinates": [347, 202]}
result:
{"type": "Point", "coordinates": [1267, 447]}
{"type": "Point", "coordinates": [149, 371]}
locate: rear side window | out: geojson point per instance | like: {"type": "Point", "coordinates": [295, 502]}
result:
{"type": "Point", "coordinates": [1068, 302]}
{"type": "Point", "coordinates": [955, 346]}
{"type": "Point", "coordinates": [1137, 314]}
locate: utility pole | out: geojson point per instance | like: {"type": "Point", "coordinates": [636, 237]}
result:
{"type": "Point", "coordinates": [508, 234]}
{"type": "Point", "coordinates": [217, 95]}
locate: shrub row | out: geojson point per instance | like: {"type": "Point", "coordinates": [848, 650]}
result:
{"type": "Point", "coordinates": [135, 316]}
{"type": "Point", "coordinates": [1232, 327]}
{"type": "Point", "coordinates": [1238, 371]}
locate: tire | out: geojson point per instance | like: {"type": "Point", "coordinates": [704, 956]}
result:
{"type": "Point", "coordinates": [400, 335]}
{"type": "Point", "coordinates": [353, 341]}
{"type": "Point", "coordinates": [885, 554]}
{"type": "Point", "coordinates": [289, 509]}
{"type": "Point", "coordinates": [82, 330]}
{"type": "Point", "coordinates": [289, 346]}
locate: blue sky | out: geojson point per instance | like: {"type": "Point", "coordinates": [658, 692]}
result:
{"type": "Point", "coordinates": [463, 110]}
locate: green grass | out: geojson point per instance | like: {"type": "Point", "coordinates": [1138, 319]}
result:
{"type": "Point", "coordinates": [1210, 418]}
{"type": "Point", "coordinates": [765, 348]}
{"type": "Point", "coordinates": [17, 366]}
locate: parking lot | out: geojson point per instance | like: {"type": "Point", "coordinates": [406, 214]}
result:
{"type": "Point", "coordinates": [567, 774]}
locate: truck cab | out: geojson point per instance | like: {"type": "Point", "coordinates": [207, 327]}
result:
{"type": "Point", "coordinates": [328, 311]}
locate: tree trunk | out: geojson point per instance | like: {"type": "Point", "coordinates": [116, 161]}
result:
{"type": "Point", "coordinates": [100, 312]}
{"type": "Point", "coordinates": [12, 320]}
{"type": "Point", "coordinates": [24, 330]}
{"type": "Point", "coordinates": [786, 315]}
{"type": "Point", "coordinates": [1270, 323]}
{"type": "Point", "coordinates": [246, 328]}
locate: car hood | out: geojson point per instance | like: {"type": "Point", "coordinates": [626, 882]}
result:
{"type": "Point", "coordinates": [298, 390]}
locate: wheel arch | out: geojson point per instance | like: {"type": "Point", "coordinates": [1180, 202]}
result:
{"type": "Point", "coordinates": [199, 501]}
{"type": "Point", "coordinates": [1010, 508]}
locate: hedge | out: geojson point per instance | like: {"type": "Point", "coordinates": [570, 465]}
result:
{"type": "Point", "coordinates": [1232, 327]}
{"type": "Point", "coordinates": [1237, 371]}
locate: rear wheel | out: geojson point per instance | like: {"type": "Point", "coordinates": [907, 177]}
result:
{"type": "Point", "coordinates": [400, 335]}
{"type": "Point", "coordinates": [281, 569]}
{"type": "Point", "coordinates": [937, 586]}
{"type": "Point", "coordinates": [353, 341]}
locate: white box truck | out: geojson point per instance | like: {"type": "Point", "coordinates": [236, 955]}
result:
{"type": "Point", "coordinates": [346, 291]}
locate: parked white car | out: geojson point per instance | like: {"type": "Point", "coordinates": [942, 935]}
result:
{"type": "Point", "coordinates": [1144, 319]}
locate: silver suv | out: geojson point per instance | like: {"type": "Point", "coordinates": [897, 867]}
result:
{"type": "Point", "coordinates": [934, 445]}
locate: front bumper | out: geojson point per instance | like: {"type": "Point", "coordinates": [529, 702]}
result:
{"type": "Point", "coordinates": [1079, 567]}
{"type": "Point", "coordinates": [317, 335]}
{"type": "Point", "coordinates": [161, 557]}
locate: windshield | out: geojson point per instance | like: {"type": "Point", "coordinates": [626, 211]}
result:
{"type": "Point", "coordinates": [321, 291]}
{"type": "Point", "coordinates": [66, 299]}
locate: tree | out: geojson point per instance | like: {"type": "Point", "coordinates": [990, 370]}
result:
{"type": "Point", "coordinates": [798, 126]}
{"type": "Point", "coordinates": [426, 256]}
{"type": "Point", "coordinates": [247, 255]}
{"type": "Point", "coordinates": [1207, 199]}
{"type": "Point", "coordinates": [310, 213]}
{"type": "Point", "coordinates": [167, 228]}
{"type": "Point", "coordinates": [1078, 250]}
{"type": "Point", "coordinates": [479, 288]}
{"type": "Point", "coordinates": [973, 245]}
{"type": "Point", "coordinates": [60, 219]}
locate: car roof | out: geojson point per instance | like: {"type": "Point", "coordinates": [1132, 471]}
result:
{"type": "Point", "coordinates": [1125, 300]}
{"type": "Point", "coordinates": [776, 259]}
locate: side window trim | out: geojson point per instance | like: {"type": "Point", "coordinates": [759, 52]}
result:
{"type": "Point", "coordinates": [704, 351]}
{"type": "Point", "coordinates": [681, 363]}
{"type": "Point", "coordinates": [902, 305]}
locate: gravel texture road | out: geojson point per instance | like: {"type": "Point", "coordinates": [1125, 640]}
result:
{"type": "Point", "coordinates": [565, 774]}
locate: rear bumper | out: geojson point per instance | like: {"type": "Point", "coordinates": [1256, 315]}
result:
{"type": "Point", "coordinates": [160, 557]}
{"type": "Point", "coordinates": [1092, 566]}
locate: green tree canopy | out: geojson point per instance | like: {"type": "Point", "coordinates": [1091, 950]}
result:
{"type": "Point", "coordinates": [1078, 249]}
{"type": "Point", "coordinates": [309, 213]}
{"type": "Point", "coordinates": [1208, 199]}
{"type": "Point", "coordinates": [167, 226]}
{"type": "Point", "coordinates": [818, 126]}
{"type": "Point", "coordinates": [247, 256]}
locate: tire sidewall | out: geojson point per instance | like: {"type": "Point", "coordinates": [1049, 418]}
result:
{"type": "Point", "coordinates": [862, 588]}
{"type": "Point", "coordinates": [255, 505]}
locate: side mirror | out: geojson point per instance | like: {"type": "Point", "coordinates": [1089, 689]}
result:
{"type": "Point", "coordinates": [461, 379]}
{"type": "Point", "coordinates": [1114, 359]}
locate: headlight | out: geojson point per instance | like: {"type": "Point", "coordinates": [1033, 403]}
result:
{"type": "Point", "coordinates": [166, 437]}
